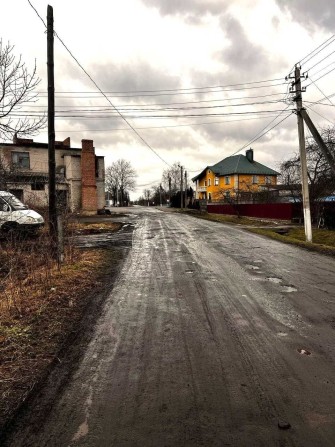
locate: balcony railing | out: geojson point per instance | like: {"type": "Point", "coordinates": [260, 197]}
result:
{"type": "Point", "coordinates": [202, 188]}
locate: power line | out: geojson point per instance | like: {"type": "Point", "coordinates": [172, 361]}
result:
{"type": "Point", "coordinates": [107, 94]}
{"type": "Point", "coordinates": [321, 77]}
{"type": "Point", "coordinates": [167, 116]}
{"type": "Point", "coordinates": [152, 109]}
{"type": "Point", "coordinates": [328, 98]}
{"type": "Point", "coordinates": [178, 89]}
{"type": "Point", "coordinates": [168, 126]}
{"type": "Point", "coordinates": [121, 106]}
{"type": "Point", "coordinates": [96, 85]}
{"type": "Point", "coordinates": [326, 57]}
{"type": "Point", "coordinates": [326, 43]}
{"type": "Point", "coordinates": [258, 136]}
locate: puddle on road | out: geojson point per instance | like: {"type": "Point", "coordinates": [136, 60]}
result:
{"type": "Point", "coordinates": [282, 334]}
{"type": "Point", "coordinates": [190, 272]}
{"type": "Point", "coordinates": [288, 289]}
{"type": "Point", "coordinates": [304, 352]}
{"type": "Point", "coordinates": [274, 279]}
{"type": "Point", "coordinates": [252, 267]}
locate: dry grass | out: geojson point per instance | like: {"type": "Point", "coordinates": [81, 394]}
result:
{"type": "Point", "coordinates": [226, 218]}
{"type": "Point", "coordinates": [38, 309]}
{"type": "Point", "coordinates": [323, 240]}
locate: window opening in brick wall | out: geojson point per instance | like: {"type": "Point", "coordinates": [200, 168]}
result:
{"type": "Point", "coordinates": [21, 159]}
{"type": "Point", "coordinates": [38, 186]}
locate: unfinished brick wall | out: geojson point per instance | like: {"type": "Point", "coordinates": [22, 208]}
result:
{"type": "Point", "coordinates": [89, 189]}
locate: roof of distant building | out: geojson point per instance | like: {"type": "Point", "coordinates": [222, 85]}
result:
{"type": "Point", "coordinates": [238, 164]}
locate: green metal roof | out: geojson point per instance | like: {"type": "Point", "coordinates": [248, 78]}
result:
{"type": "Point", "coordinates": [237, 164]}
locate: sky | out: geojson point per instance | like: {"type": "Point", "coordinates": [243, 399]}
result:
{"type": "Point", "coordinates": [197, 80]}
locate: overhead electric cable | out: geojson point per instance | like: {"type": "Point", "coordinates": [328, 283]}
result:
{"type": "Point", "coordinates": [264, 133]}
{"type": "Point", "coordinates": [96, 85]}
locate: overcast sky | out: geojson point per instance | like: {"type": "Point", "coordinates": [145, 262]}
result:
{"type": "Point", "coordinates": [187, 74]}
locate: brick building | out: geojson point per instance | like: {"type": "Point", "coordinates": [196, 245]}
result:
{"type": "Point", "coordinates": [80, 173]}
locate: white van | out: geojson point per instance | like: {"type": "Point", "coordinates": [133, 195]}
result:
{"type": "Point", "coordinates": [14, 215]}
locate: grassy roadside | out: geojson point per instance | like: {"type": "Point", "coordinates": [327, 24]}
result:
{"type": "Point", "coordinates": [41, 305]}
{"type": "Point", "coordinates": [323, 240]}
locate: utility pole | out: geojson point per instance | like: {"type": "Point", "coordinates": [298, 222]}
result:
{"type": "Point", "coordinates": [185, 202]}
{"type": "Point", "coordinates": [53, 224]}
{"type": "Point", "coordinates": [160, 194]}
{"type": "Point", "coordinates": [169, 190]}
{"type": "Point", "coordinates": [302, 150]}
{"type": "Point", "coordinates": [317, 137]}
{"type": "Point", "coordinates": [181, 187]}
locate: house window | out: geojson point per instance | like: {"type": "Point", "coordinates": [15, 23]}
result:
{"type": "Point", "coordinates": [267, 179]}
{"type": "Point", "coordinates": [205, 182]}
{"type": "Point", "coordinates": [255, 179]}
{"type": "Point", "coordinates": [209, 182]}
{"type": "Point", "coordinates": [38, 186]}
{"type": "Point", "coordinates": [216, 181]}
{"type": "Point", "coordinates": [21, 159]}
{"type": "Point", "coordinates": [227, 180]}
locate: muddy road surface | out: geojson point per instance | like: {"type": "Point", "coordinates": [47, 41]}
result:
{"type": "Point", "coordinates": [211, 336]}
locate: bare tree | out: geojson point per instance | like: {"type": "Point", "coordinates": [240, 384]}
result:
{"type": "Point", "coordinates": [320, 178]}
{"type": "Point", "coordinates": [17, 87]}
{"type": "Point", "coordinates": [171, 176]}
{"type": "Point", "coordinates": [147, 195]}
{"type": "Point", "coordinates": [120, 178]}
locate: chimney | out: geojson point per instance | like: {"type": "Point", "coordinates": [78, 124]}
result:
{"type": "Point", "coordinates": [67, 142]}
{"type": "Point", "coordinates": [89, 202]}
{"type": "Point", "coordinates": [17, 140]}
{"type": "Point", "coordinates": [250, 155]}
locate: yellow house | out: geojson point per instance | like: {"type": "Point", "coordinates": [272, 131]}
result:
{"type": "Point", "coordinates": [233, 176]}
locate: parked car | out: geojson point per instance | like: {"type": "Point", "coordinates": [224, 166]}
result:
{"type": "Point", "coordinates": [14, 215]}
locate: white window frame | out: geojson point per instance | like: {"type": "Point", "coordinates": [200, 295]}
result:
{"type": "Point", "coordinates": [227, 180]}
{"type": "Point", "coordinates": [209, 182]}
{"type": "Point", "coordinates": [216, 181]}
{"type": "Point", "coordinates": [255, 179]}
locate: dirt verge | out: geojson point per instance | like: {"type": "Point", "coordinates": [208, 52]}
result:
{"type": "Point", "coordinates": [49, 313]}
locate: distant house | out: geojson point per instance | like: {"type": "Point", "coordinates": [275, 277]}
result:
{"type": "Point", "coordinates": [232, 177]}
{"type": "Point", "coordinates": [80, 180]}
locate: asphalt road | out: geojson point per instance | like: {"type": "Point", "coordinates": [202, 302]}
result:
{"type": "Point", "coordinates": [212, 336]}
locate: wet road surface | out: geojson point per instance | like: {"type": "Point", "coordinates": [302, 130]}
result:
{"type": "Point", "coordinates": [212, 336]}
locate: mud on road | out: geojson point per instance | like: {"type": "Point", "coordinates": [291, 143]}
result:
{"type": "Point", "coordinates": [211, 336]}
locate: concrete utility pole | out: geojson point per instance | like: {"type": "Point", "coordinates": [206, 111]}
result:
{"type": "Point", "coordinates": [303, 161]}
{"type": "Point", "coordinates": [160, 194]}
{"type": "Point", "coordinates": [181, 187]}
{"type": "Point", "coordinates": [317, 137]}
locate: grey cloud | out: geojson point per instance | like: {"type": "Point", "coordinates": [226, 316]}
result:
{"type": "Point", "coordinates": [191, 8]}
{"type": "Point", "coordinates": [311, 13]}
{"type": "Point", "coordinates": [243, 59]}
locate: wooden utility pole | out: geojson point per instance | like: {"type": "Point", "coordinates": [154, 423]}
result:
{"type": "Point", "coordinates": [51, 130]}
{"type": "Point", "coordinates": [303, 161]}
{"type": "Point", "coordinates": [55, 221]}
{"type": "Point", "coordinates": [181, 187]}
{"type": "Point", "coordinates": [185, 202]}
{"type": "Point", "coordinates": [169, 190]}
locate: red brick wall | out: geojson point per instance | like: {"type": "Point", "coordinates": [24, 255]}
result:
{"type": "Point", "coordinates": [89, 188]}
{"type": "Point", "coordinates": [285, 211]}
